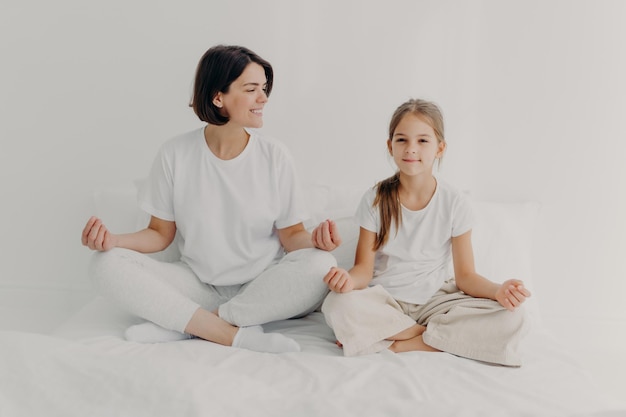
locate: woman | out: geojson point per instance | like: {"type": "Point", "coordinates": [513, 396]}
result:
{"type": "Point", "coordinates": [232, 196]}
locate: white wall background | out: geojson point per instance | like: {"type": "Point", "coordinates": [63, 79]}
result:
{"type": "Point", "coordinates": [533, 91]}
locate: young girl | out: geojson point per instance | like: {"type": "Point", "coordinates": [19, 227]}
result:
{"type": "Point", "coordinates": [400, 294]}
{"type": "Point", "coordinates": [232, 196]}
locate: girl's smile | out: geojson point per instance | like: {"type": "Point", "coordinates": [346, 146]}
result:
{"type": "Point", "coordinates": [414, 146]}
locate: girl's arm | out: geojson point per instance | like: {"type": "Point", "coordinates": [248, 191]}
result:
{"type": "Point", "coordinates": [360, 275]}
{"type": "Point", "coordinates": [156, 237]}
{"type": "Point", "coordinates": [510, 294]}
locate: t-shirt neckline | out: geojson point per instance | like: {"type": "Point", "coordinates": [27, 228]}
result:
{"type": "Point", "coordinates": [215, 158]}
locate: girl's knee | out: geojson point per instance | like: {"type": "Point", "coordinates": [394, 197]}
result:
{"type": "Point", "coordinates": [340, 302]}
{"type": "Point", "coordinates": [519, 317]}
{"type": "Point", "coordinates": [513, 322]}
{"type": "Point", "coordinates": [332, 307]}
{"type": "Point", "coordinates": [329, 302]}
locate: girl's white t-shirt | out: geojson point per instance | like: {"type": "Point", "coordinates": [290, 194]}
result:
{"type": "Point", "coordinates": [226, 211]}
{"type": "Point", "coordinates": [415, 262]}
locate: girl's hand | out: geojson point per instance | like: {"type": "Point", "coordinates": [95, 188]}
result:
{"type": "Point", "coordinates": [512, 294]}
{"type": "Point", "coordinates": [326, 236]}
{"type": "Point", "coordinates": [96, 236]}
{"type": "Point", "coordinates": [339, 280]}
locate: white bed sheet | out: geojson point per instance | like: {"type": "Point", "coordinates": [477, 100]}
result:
{"type": "Point", "coordinates": [87, 369]}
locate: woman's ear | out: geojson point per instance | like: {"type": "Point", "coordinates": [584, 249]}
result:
{"type": "Point", "coordinates": [389, 147]}
{"type": "Point", "coordinates": [217, 101]}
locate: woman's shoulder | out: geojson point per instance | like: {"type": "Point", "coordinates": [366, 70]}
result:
{"type": "Point", "coordinates": [268, 144]}
{"type": "Point", "coordinates": [183, 141]}
{"type": "Point", "coordinates": [264, 139]}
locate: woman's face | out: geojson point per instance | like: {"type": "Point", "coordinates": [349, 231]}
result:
{"type": "Point", "coordinates": [246, 97]}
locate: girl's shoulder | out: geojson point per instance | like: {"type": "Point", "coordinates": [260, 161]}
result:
{"type": "Point", "coordinates": [448, 190]}
{"type": "Point", "coordinates": [369, 195]}
{"type": "Point", "coordinates": [451, 196]}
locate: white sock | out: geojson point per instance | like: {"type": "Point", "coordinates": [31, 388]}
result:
{"type": "Point", "coordinates": [253, 338]}
{"type": "Point", "coordinates": [149, 332]}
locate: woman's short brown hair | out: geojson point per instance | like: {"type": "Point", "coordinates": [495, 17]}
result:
{"type": "Point", "coordinates": [217, 69]}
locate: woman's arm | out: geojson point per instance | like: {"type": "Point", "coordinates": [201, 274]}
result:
{"type": "Point", "coordinates": [156, 237]}
{"type": "Point", "coordinates": [510, 294]}
{"type": "Point", "coordinates": [325, 236]}
{"type": "Point", "coordinates": [361, 274]}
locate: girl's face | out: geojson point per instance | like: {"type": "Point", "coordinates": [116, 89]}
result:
{"type": "Point", "coordinates": [414, 146]}
{"type": "Point", "coordinates": [246, 97]}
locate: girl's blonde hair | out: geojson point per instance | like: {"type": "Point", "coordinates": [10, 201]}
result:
{"type": "Point", "coordinates": [387, 197]}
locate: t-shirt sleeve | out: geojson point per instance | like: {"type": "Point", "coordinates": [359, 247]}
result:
{"type": "Point", "coordinates": [366, 215]}
{"type": "Point", "coordinates": [462, 215]}
{"type": "Point", "coordinates": [293, 209]}
{"type": "Point", "coordinates": [155, 195]}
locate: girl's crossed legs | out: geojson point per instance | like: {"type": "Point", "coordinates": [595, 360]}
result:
{"type": "Point", "coordinates": [370, 320]}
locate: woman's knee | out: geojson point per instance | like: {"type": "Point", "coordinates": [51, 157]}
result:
{"type": "Point", "coordinates": [100, 263]}
{"type": "Point", "coordinates": [107, 265]}
{"type": "Point", "coordinates": [315, 260]}
{"type": "Point", "coordinates": [310, 266]}
{"type": "Point", "coordinates": [324, 260]}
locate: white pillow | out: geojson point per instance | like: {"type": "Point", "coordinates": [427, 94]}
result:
{"type": "Point", "coordinates": [502, 239]}
{"type": "Point", "coordinates": [119, 210]}
{"type": "Point", "coordinates": [117, 207]}
{"type": "Point", "coordinates": [502, 234]}
{"type": "Point", "coordinates": [349, 232]}
{"type": "Point", "coordinates": [330, 202]}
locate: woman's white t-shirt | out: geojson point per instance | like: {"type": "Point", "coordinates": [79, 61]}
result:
{"type": "Point", "coordinates": [415, 262]}
{"type": "Point", "coordinates": [226, 211]}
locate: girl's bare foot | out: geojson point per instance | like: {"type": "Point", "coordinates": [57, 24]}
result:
{"type": "Point", "coordinates": [414, 344]}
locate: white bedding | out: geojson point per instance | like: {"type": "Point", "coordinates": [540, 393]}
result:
{"type": "Point", "coordinates": [88, 369]}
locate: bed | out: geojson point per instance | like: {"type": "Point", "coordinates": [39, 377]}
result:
{"type": "Point", "coordinates": [86, 368]}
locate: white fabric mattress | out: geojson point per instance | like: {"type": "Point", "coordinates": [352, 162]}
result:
{"type": "Point", "coordinates": [87, 369]}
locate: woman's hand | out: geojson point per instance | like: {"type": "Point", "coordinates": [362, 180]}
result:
{"type": "Point", "coordinates": [326, 236]}
{"type": "Point", "coordinates": [512, 294]}
{"type": "Point", "coordinates": [339, 280]}
{"type": "Point", "coordinates": [96, 236]}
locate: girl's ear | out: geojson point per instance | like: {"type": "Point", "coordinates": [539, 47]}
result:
{"type": "Point", "coordinates": [217, 100]}
{"type": "Point", "coordinates": [389, 147]}
{"type": "Point", "coordinates": [442, 149]}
